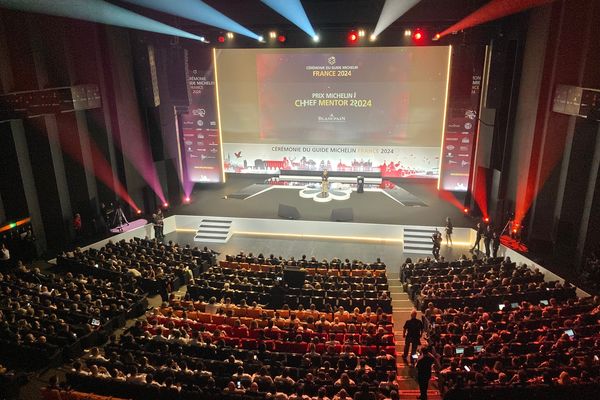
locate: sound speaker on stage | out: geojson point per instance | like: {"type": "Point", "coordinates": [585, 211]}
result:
{"type": "Point", "coordinates": [360, 184]}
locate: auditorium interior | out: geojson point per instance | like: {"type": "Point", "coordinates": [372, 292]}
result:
{"type": "Point", "coordinates": [299, 199]}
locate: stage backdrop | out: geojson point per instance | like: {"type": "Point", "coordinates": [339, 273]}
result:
{"type": "Point", "coordinates": [348, 109]}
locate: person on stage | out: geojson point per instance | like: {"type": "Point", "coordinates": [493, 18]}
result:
{"type": "Point", "coordinates": [449, 229]}
{"type": "Point", "coordinates": [325, 181]}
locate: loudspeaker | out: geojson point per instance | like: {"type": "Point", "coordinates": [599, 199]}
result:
{"type": "Point", "coordinates": [294, 276]}
{"type": "Point", "coordinates": [360, 184]}
{"type": "Point", "coordinates": [288, 212]}
{"type": "Point", "coordinates": [342, 214]}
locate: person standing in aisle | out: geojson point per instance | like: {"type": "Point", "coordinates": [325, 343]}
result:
{"type": "Point", "coordinates": [495, 244]}
{"type": "Point", "coordinates": [487, 240]}
{"type": "Point", "coordinates": [412, 331]}
{"type": "Point", "coordinates": [424, 364]}
{"type": "Point", "coordinates": [480, 231]}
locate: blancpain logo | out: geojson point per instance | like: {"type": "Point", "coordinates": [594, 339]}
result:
{"type": "Point", "coordinates": [331, 118]}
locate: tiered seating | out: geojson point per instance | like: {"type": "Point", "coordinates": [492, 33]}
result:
{"type": "Point", "coordinates": [477, 283]}
{"type": "Point", "coordinates": [323, 287]}
{"type": "Point", "coordinates": [230, 349]}
{"type": "Point", "coordinates": [44, 318]}
{"type": "Point", "coordinates": [157, 267]}
{"type": "Point", "coordinates": [513, 329]}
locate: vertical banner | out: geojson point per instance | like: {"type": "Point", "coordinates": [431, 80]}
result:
{"type": "Point", "coordinates": [200, 142]}
{"type": "Point", "coordinates": [460, 130]}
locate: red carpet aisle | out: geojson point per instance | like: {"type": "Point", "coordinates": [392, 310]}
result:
{"type": "Point", "coordinates": [402, 306]}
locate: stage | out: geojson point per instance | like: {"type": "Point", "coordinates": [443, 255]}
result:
{"type": "Point", "coordinates": [416, 203]}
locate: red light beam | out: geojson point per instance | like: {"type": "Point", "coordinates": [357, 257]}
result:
{"type": "Point", "coordinates": [493, 10]}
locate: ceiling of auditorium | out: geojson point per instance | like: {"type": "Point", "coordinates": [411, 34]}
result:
{"type": "Point", "coordinates": [346, 13]}
{"type": "Point", "coordinates": [326, 15]}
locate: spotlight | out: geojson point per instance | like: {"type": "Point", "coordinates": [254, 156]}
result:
{"type": "Point", "coordinates": [361, 33]}
{"type": "Point", "coordinates": [466, 210]}
{"type": "Point", "coordinates": [436, 37]}
{"type": "Point", "coordinates": [352, 37]}
{"type": "Point", "coordinates": [373, 37]}
{"type": "Point", "coordinates": [187, 199]}
{"type": "Point", "coordinates": [272, 35]}
{"type": "Point", "coordinates": [281, 38]}
{"type": "Point", "coordinates": [486, 219]}
{"type": "Point", "coordinates": [229, 35]}
{"type": "Point", "coordinates": [418, 35]}
{"type": "Point", "coordinates": [138, 212]}
{"type": "Point", "coordinates": [407, 32]}
{"type": "Point", "coordinates": [221, 39]}
{"type": "Point", "coordinates": [165, 204]}
{"type": "Point", "coordinates": [261, 39]}
{"type": "Point", "coordinates": [316, 38]}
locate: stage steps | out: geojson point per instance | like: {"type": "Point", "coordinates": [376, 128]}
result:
{"type": "Point", "coordinates": [213, 230]}
{"type": "Point", "coordinates": [418, 240]}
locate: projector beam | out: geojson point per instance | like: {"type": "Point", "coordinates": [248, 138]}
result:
{"type": "Point", "coordinates": [294, 12]}
{"type": "Point", "coordinates": [96, 11]}
{"type": "Point", "coordinates": [198, 11]}
{"type": "Point", "coordinates": [392, 10]}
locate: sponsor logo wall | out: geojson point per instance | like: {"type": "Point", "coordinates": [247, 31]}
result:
{"type": "Point", "coordinates": [200, 130]}
{"type": "Point", "coordinates": [460, 135]}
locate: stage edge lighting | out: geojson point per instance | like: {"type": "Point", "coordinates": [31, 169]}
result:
{"type": "Point", "coordinates": [219, 114]}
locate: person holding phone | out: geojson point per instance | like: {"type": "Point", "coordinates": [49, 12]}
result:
{"type": "Point", "coordinates": [412, 331]}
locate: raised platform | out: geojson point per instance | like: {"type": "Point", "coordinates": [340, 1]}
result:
{"type": "Point", "coordinates": [334, 176]}
{"type": "Point", "coordinates": [398, 202]}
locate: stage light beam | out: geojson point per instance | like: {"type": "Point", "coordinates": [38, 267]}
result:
{"type": "Point", "coordinates": [316, 38]}
{"type": "Point", "coordinates": [198, 11]}
{"type": "Point", "coordinates": [294, 12]}
{"type": "Point", "coordinates": [392, 10]}
{"type": "Point", "coordinates": [491, 11]}
{"type": "Point", "coordinates": [96, 11]}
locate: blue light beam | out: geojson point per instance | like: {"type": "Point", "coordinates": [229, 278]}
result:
{"type": "Point", "coordinates": [293, 11]}
{"type": "Point", "coordinates": [198, 11]}
{"type": "Point", "coordinates": [96, 11]}
{"type": "Point", "coordinates": [392, 10]}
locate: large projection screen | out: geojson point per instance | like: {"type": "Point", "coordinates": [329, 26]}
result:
{"type": "Point", "coordinates": [344, 109]}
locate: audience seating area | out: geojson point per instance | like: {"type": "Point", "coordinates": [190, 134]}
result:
{"type": "Point", "coordinates": [478, 283]}
{"type": "Point", "coordinates": [227, 339]}
{"type": "Point", "coordinates": [158, 268]}
{"type": "Point", "coordinates": [47, 318]}
{"type": "Point", "coordinates": [324, 287]}
{"type": "Point", "coordinates": [502, 332]}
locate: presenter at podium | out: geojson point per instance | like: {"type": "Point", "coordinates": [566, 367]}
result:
{"type": "Point", "coordinates": [325, 181]}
